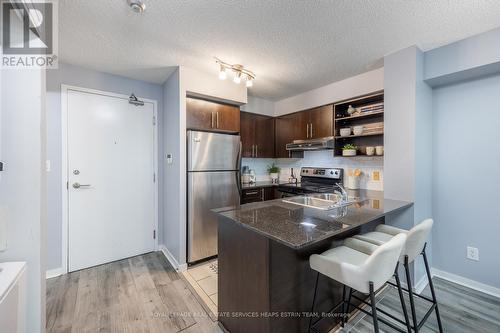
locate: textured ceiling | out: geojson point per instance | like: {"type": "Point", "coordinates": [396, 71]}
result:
{"type": "Point", "coordinates": [292, 46]}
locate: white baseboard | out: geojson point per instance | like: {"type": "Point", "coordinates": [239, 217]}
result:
{"type": "Point", "coordinates": [490, 290]}
{"type": "Point", "coordinates": [417, 288]}
{"type": "Point", "coordinates": [51, 273]}
{"type": "Point", "coordinates": [178, 267]}
{"type": "Point", "coordinates": [421, 284]}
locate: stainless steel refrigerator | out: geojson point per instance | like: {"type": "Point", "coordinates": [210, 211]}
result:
{"type": "Point", "coordinates": [213, 181]}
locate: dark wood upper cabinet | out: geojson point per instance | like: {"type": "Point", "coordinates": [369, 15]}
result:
{"type": "Point", "coordinates": [257, 135]}
{"type": "Point", "coordinates": [287, 128]}
{"type": "Point", "coordinates": [208, 115]}
{"type": "Point", "coordinates": [247, 130]}
{"type": "Point", "coordinates": [321, 122]}
{"type": "Point", "coordinates": [264, 136]}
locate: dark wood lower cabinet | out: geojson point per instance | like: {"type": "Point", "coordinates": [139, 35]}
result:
{"type": "Point", "coordinates": [257, 194]}
{"type": "Point", "coordinates": [265, 286]}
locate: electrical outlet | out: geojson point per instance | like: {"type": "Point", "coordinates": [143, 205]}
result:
{"type": "Point", "coordinates": [376, 175]}
{"type": "Point", "coordinates": [472, 253]}
{"type": "Point", "coordinates": [170, 159]}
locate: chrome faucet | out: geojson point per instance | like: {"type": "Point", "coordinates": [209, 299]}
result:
{"type": "Point", "coordinates": [343, 193]}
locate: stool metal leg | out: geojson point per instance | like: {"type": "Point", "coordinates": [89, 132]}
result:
{"type": "Point", "coordinates": [401, 298]}
{"type": "Point", "coordinates": [410, 294]}
{"type": "Point", "coordinates": [314, 300]}
{"type": "Point", "coordinates": [374, 308]}
{"type": "Point", "coordinates": [348, 306]}
{"type": "Point", "coordinates": [343, 304]}
{"type": "Point", "coordinates": [431, 286]}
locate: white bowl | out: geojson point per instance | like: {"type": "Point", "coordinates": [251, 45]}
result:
{"type": "Point", "coordinates": [345, 131]}
{"type": "Point", "coordinates": [357, 130]}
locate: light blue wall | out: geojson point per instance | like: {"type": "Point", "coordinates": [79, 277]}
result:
{"type": "Point", "coordinates": [81, 77]}
{"type": "Point", "coordinates": [172, 181]}
{"type": "Point", "coordinates": [466, 162]}
{"type": "Point", "coordinates": [463, 60]}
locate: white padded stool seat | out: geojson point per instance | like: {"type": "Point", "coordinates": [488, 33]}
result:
{"type": "Point", "coordinates": [415, 241]}
{"type": "Point", "coordinates": [355, 268]}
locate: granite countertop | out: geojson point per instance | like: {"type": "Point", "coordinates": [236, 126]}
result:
{"type": "Point", "coordinates": [298, 227]}
{"type": "Point", "coordinates": [264, 183]}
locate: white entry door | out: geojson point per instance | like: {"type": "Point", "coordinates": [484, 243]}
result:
{"type": "Point", "coordinates": [110, 179]}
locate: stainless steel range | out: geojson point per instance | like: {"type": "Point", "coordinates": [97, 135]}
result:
{"type": "Point", "coordinates": [314, 180]}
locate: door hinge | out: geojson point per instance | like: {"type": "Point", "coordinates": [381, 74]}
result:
{"type": "Point", "coordinates": [154, 120]}
{"type": "Point", "coordinates": [154, 177]}
{"type": "Point", "coordinates": [67, 185]}
{"type": "Point", "coordinates": [154, 234]}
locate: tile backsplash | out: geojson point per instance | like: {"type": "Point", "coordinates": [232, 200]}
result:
{"type": "Point", "coordinates": [324, 158]}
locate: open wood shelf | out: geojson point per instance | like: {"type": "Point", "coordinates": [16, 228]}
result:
{"type": "Point", "coordinates": [360, 155]}
{"type": "Point", "coordinates": [373, 120]}
{"type": "Point", "coordinates": [361, 116]}
{"type": "Point", "coordinates": [359, 136]}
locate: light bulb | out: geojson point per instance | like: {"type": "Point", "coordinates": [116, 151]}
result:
{"type": "Point", "coordinates": [237, 78]}
{"type": "Point", "coordinates": [222, 73]}
{"type": "Point", "coordinates": [249, 82]}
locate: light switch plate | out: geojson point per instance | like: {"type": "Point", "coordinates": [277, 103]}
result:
{"type": "Point", "coordinates": [472, 253]}
{"type": "Point", "coordinates": [170, 159]}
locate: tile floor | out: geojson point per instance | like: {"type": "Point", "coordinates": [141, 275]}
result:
{"type": "Point", "coordinates": [203, 279]}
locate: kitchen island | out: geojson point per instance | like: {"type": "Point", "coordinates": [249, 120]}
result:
{"type": "Point", "coordinates": [265, 283]}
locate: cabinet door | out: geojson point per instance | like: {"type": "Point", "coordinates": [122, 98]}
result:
{"type": "Point", "coordinates": [300, 125]}
{"type": "Point", "coordinates": [227, 117]}
{"type": "Point", "coordinates": [202, 114]}
{"type": "Point", "coordinates": [285, 126]}
{"type": "Point", "coordinates": [264, 136]}
{"type": "Point", "coordinates": [321, 120]}
{"type": "Point", "coordinates": [247, 134]}
{"type": "Point", "coordinates": [269, 193]}
{"type": "Point", "coordinates": [199, 114]}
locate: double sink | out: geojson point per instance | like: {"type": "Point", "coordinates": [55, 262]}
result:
{"type": "Point", "coordinates": [323, 201]}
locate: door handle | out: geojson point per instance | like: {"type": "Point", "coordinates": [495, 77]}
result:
{"type": "Point", "coordinates": [78, 185]}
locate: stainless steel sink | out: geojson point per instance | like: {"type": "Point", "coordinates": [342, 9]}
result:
{"type": "Point", "coordinates": [323, 201]}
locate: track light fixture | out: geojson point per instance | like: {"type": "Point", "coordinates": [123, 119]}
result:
{"type": "Point", "coordinates": [239, 71]}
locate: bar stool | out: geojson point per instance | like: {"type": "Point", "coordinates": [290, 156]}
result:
{"type": "Point", "coordinates": [361, 266]}
{"type": "Point", "coordinates": [415, 246]}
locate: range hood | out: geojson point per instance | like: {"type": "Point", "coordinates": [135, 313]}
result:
{"type": "Point", "coordinates": [312, 144]}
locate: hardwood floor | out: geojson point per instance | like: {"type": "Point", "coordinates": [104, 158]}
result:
{"type": "Point", "coordinates": [462, 309]}
{"type": "Point", "coordinates": [145, 294]}
{"type": "Point", "coordinates": [140, 294]}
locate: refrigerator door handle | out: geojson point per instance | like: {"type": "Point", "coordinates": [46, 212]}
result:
{"type": "Point", "coordinates": [238, 167]}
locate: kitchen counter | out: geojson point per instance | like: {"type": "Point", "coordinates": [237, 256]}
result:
{"type": "Point", "coordinates": [297, 226]}
{"type": "Point", "coordinates": [265, 283]}
{"type": "Point", "coordinates": [259, 184]}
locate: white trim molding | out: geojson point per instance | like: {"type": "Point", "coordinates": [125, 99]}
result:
{"type": "Point", "coordinates": [52, 273]}
{"type": "Point", "coordinates": [178, 267]}
{"type": "Point", "coordinates": [490, 290]}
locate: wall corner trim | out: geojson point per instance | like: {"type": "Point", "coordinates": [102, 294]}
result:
{"type": "Point", "coordinates": [178, 267]}
{"type": "Point", "coordinates": [52, 273]}
{"type": "Point", "coordinates": [484, 288]}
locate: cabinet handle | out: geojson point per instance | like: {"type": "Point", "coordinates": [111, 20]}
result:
{"type": "Point", "coordinates": [262, 194]}
{"type": "Point", "coordinates": [212, 120]}
{"type": "Point", "coordinates": [311, 130]}
{"type": "Point", "coordinates": [217, 119]}
{"type": "Point", "coordinates": [252, 193]}
{"type": "Point", "coordinates": [256, 150]}
{"type": "Point", "coordinates": [307, 131]}
{"type": "Point", "coordinates": [253, 151]}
